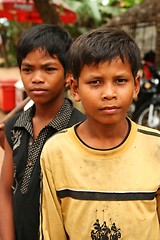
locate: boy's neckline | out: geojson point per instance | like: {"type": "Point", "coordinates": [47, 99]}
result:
{"type": "Point", "coordinates": [116, 146]}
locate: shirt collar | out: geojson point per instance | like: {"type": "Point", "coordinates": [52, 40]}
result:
{"type": "Point", "coordinates": [60, 121]}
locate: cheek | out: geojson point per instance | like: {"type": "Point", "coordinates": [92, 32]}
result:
{"type": "Point", "coordinates": [26, 79]}
{"type": "Point", "coordinates": [129, 99]}
{"type": "Point", "coordinates": [88, 100]}
{"type": "Point", "coordinates": [25, 85]}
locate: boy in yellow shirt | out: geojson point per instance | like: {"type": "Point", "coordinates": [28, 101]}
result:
{"type": "Point", "coordinates": [101, 178]}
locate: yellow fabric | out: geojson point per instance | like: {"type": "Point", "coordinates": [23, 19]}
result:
{"type": "Point", "coordinates": [133, 167]}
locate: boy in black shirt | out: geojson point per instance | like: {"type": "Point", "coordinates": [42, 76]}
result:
{"type": "Point", "coordinates": [42, 59]}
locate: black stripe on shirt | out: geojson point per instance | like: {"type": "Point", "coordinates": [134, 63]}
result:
{"type": "Point", "coordinates": [102, 196]}
{"type": "Point", "coordinates": [149, 132]}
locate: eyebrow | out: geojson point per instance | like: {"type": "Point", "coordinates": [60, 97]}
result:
{"type": "Point", "coordinates": [26, 64]}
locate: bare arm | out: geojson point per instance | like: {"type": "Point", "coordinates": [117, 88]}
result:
{"type": "Point", "coordinates": [2, 135]}
{"type": "Point", "coordinates": [6, 209]}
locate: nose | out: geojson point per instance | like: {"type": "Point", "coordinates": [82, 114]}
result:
{"type": "Point", "coordinates": [37, 77]}
{"type": "Point", "coordinates": [108, 92]}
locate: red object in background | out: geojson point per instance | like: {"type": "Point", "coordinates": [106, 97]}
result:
{"type": "Point", "coordinates": [21, 11]}
{"type": "Point", "coordinates": [7, 95]}
{"type": "Point", "coordinates": [147, 66]}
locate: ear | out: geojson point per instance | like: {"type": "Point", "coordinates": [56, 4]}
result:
{"type": "Point", "coordinates": [74, 89]}
{"type": "Point", "coordinates": [136, 87]}
{"type": "Point", "coordinates": [67, 79]}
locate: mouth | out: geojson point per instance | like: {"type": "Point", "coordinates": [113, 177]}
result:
{"type": "Point", "coordinates": [37, 91]}
{"type": "Point", "coordinates": [109, 109]}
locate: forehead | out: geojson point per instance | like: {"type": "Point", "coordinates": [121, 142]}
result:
{"type": "Point", "coordinates": [107, 70]}
{"type": "Point", "coordinates": [116, 63]}
{"type": "Point", "coordinates": [39, 55]}
{"type": "Point", "coordinates": [39, 51]}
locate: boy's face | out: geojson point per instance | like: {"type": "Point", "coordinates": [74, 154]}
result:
{"type": "Point", "coordinates": [106, 91]}
{"type": "Point", "coordinates": [43, 77]}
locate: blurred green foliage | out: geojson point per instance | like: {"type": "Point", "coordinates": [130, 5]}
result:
{"type": "Point", "coordinates": [91, 14]}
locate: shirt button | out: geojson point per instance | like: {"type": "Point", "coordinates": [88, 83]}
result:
{"type": "Point", "coordinates": [30, 142]}
{"type": "Point", "coordinates": [30, 163]}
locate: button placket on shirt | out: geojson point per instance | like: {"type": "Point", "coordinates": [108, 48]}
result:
{"type": "Point", "coordinates": [34, 148]}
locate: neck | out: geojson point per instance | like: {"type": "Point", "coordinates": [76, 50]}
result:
{"type": "Point", "coordinates": [103, 137]}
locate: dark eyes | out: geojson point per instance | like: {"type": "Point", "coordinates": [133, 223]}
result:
{"type": "Point", "coordinates": [119, 81]}
{"type": "Point", "coordinates": [95, 82]}
{"type": "Point", "coordinates": [50, 69]}
{"type": "Point", "coordinates": [99, 82]}
{"type": "Point", "coordinates": [26, 69]}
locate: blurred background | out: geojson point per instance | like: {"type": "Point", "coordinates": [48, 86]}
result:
{"type": "Point", "coordinates": [140, 18]}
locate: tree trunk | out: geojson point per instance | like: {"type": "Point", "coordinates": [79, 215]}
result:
{"type": "Point", "coordinates": [3, 48]}
{"type": "Point", "coordinates": [47, 11]}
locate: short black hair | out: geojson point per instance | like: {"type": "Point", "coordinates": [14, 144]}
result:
{"type": "Point", "coordinates": [150, 56]}
{"type": "Point", "coordinates": [48, 37]}
{"type": "Point", "coordinates": [101, 45]}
